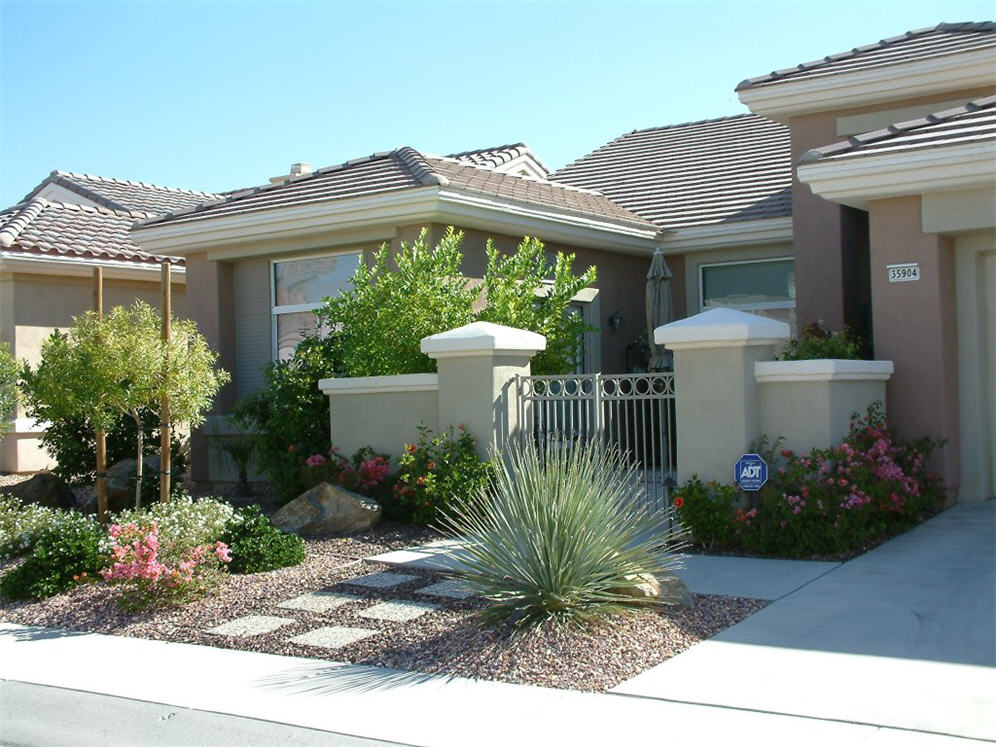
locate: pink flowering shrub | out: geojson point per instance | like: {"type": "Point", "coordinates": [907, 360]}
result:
{"type": "Point", "coordinates": [840, 500]}
{"type": "Point", "coordinates": [151, 576]}
{"type": "Point", "coordinates": [367, 472]}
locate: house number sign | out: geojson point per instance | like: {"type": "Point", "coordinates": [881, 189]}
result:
{"type": "Point", "coordinates": [906, 272]}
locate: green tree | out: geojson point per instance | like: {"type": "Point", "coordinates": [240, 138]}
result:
{"type": "Point", "coordinates": [10, 375]}
{"type": "Point", "coordinates": [117, 364]}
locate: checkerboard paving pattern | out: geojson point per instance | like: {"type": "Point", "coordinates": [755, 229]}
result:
{"type": "Point", "coordinates": [398, 611]}
{"type": "Point", "coordinates": [319, 601]}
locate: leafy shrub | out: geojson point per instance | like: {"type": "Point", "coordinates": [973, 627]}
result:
{"type": "Point", "coordinates": [816, 341]}
{"type": "Point", "coordinates": [146, 580]}
{"type": "Point", "coordinates": [21, 524]}
{"type": "Point", "coordinates": [435, 471]}
{"type": "Point", "coordinates": [10, 393]}
{"type": "Point", "coordinates": [290, 414]}
{"type": "Point", "coordinates": [256, 545]}
{"type": "Point", "coordinates": [559, 536]}
{"type": "Point", "coordinates": [62, 553]}
{"type": "Point", "coordinates": [366, 472]}
{"type": "Point", "coordinates": [183, 523]}
{"type": "Point", "coordinates": [839, 500]}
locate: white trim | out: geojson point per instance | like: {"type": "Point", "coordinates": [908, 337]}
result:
{"type": "Point", "coordinates": [859, 179]}
{"type": "Point", "coordinates": [728, 235]}
{"type": "Point", "coordinates": [482, 338]}
{"type": "Point", "coordinates": [424, 382]}
{"type": "Point", "coordinates": [835, 91]}
{"type": "Point", "coordinates": [21, 262]}
{"type": "Point", "coordinates": [752, 306]}
{"type": "Point", "coordinates": [721, 327]}
{"type": "Point", "coordinates": [826, 369]}
{"type": "Point", "coordinates": [21, 426]}
{"type": "Point", "coordinates": [343, 240]}
{"type": "Point", "coordinates": [424, 204]}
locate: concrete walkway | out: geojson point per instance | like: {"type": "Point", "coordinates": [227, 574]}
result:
{"type": "Point", "coordinates": [894, 648]}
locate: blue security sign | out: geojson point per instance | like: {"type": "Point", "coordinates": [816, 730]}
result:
{"type": "Point", "coordinates": [750, 472]}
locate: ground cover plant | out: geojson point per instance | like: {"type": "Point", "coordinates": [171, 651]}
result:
{"type": "Point", "coordinates": [835, 501]}
{"type": "Point", "coordinates": [561, 537]}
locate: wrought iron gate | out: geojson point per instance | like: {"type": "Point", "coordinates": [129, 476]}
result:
{"type": "Point", "coordinates": [633, 412]}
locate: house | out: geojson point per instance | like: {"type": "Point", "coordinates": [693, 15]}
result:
{"type": "Point", "coordinates": [860, 191]}
{"type": "Point", "coordinates": [49, 244]}
{"type": "Point", "coordinates": [259, 260]}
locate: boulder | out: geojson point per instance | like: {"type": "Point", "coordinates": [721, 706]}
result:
{"type": "Point", "coordinates": [44, 489]}
{"type": "Point", "coordinates": [666, 589]}
{"type": "Point", "coordinates": [327, 509]}
{"type": "Point", "coordinates": [121, 481]}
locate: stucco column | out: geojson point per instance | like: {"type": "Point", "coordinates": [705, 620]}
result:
{"type": "Point", "coordinates": [211, 305]}
{"type": "Point", "coordinates": [916, 326]}
{"type": "Point", "coordinates": [716, 401]}
{"type": "Point", "coordinates": [477, 366]}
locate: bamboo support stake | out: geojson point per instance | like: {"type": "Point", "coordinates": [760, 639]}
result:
{"type": "Point", "coordinates": [100, 437]}
{"type": "Point", "coordinates": [164, 415]}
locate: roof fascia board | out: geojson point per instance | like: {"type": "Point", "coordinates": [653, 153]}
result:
{"type": "Point", "coordinates": [784, 100]}
{"type": "Point", "coordinates": [21, 262]}
{"type": "Point", "coordinates": [728, 235]}
{"type": "Point", "coordinates": [339, 239]}
{"type": "Point", "coordinates": [857, 180]}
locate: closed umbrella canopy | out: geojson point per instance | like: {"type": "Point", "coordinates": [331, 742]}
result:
{"type": "Point", "coordinates": [659, 309]}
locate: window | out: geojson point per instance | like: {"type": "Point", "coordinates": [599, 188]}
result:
{"type": "Point", "coordinates": [765, 287]}
{"type": "Point", "coordinates": [299, 286]}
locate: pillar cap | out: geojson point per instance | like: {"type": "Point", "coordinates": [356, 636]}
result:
{"type": "Point", "coordinates": [720, 328]}
{"type": "Point", "coordinates": [482, 337]}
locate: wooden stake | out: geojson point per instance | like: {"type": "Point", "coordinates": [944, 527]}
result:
{"type": "Point", "coordinates": [164, 414]}
{"type": "Point", "coordinates": [100, 437]}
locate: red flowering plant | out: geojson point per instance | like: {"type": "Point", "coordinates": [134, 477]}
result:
{"type": "Point", "coordinates": [366, 472]}
{"type": "Point", "coordinates": [836, 501]}
{"type": "Point", "coordinates": [433, 471]}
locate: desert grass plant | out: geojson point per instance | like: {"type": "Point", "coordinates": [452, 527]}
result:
{"type": "Point", "coordinates": [559, 537]}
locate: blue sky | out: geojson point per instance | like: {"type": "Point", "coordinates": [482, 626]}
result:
{"type": "Point", "coordinates": [224, 94]}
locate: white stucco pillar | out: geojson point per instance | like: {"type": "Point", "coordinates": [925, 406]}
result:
{"type": "Point", "coordinates": [718, 413]}
{"type": "Point", "coordinates": [477, 366]}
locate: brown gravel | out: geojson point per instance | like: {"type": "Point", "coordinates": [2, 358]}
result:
{"type": "Point", "coordinates": [444, 641]}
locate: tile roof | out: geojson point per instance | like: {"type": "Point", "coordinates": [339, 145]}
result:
{"type": "Point", "coordinates": [973, 122]}
{"type": "Point", "coordinates": [498, 156]}
{"type": "Point", "coordinates": [714, 171]}
{"type": "Point", "coordinates": [46, 227]}
{"type": "Point", "coordinates": [401, 169]}
{"type": "Point", "coordinates": [120, 194]}
{"type": "Point", "coordinates": [943, 39]}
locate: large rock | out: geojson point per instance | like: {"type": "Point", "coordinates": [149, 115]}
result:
{"type": "Point", "coordinates": [121, 481]}
{"type": "Point", "coordinates": [44, 489]}
{"type": "Point", "coordinates": [666, 589]}
{"type": "Point", "coordinates": [327, 509]}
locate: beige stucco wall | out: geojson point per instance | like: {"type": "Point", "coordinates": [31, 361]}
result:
{"type": "Point", "coordinates": [915, 326]}
{"type": "Point", "coordinates": [385, 421]}
{"type": "Point", "coordinates": [959, 211]}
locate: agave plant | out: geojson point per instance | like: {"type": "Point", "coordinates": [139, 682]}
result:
{"type": "Point", "coordinates": [560, 536]}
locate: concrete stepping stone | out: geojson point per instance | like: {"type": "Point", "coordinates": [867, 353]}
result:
{"type": "Point", "coordinates": [243, 627]}
{"type": "Point", "coordinates": [398, 611]}
{"type": "Point", "coordinates": [450, 588]}
{"type": "Point", "coordinates": [333, 636]}
{"type": "Point", "coordinates": [383, 580]}
{"type": "Point", "coordinates": [319, 601]}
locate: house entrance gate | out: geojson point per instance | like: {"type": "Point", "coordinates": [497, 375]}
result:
{"type": "Point", "coordinates": [631, 412]}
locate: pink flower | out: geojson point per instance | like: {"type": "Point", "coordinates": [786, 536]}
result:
{"type": "Point", "coordinates": [315, 460]}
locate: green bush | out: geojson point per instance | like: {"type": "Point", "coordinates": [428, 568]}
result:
{"type": "Point", "coordinates": [183, 523]}
{"type": "Point", "coordinates": [256, 545]}
{"type": "Point", "coordinates": [21, 524]}
{"type": "Point", "coordinates": [74, 547]}
{"type": "Point", "coordinates": [10, 393]}
{"type": "Point", "coordinates": [560, 536]}
{"type": "Point", "coordinates": [816, 341]}
{"type": "Point", "coordinates": [840, 500]}
{"type": "Point", "coordinates": [437, 470]}
{"type": "Point", "coordinates": [290, 415]}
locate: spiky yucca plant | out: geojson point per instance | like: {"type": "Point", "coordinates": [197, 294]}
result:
{"type": "Point", "coordinates": [558, 534]}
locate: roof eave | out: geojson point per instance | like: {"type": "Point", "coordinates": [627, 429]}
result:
{"type": "Point", "coordinates": [734, 235]}
{"type": "Point", "coordinates": [857, 180]}
{"type": "Point", "coordinates": [783, 100]}
{"type": "Point", "coordinates": [75, 266]}
{"type": "Point", "coordinates": [431, 203]}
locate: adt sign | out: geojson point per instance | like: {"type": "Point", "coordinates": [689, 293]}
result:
{"type": "Point", "coordinates": [750, 472]}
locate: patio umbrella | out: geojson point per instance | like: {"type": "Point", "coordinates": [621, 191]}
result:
{"type": "Point", "coordinates": [659, 308]}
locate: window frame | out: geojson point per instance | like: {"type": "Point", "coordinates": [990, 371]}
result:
{"type": "Point", "coordinates": [753, 306]}
{"type": "Point", "coordinates": [297, 308]}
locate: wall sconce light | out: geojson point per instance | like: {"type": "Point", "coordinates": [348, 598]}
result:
{"type": "Point", "coordinates": [615, 320]}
